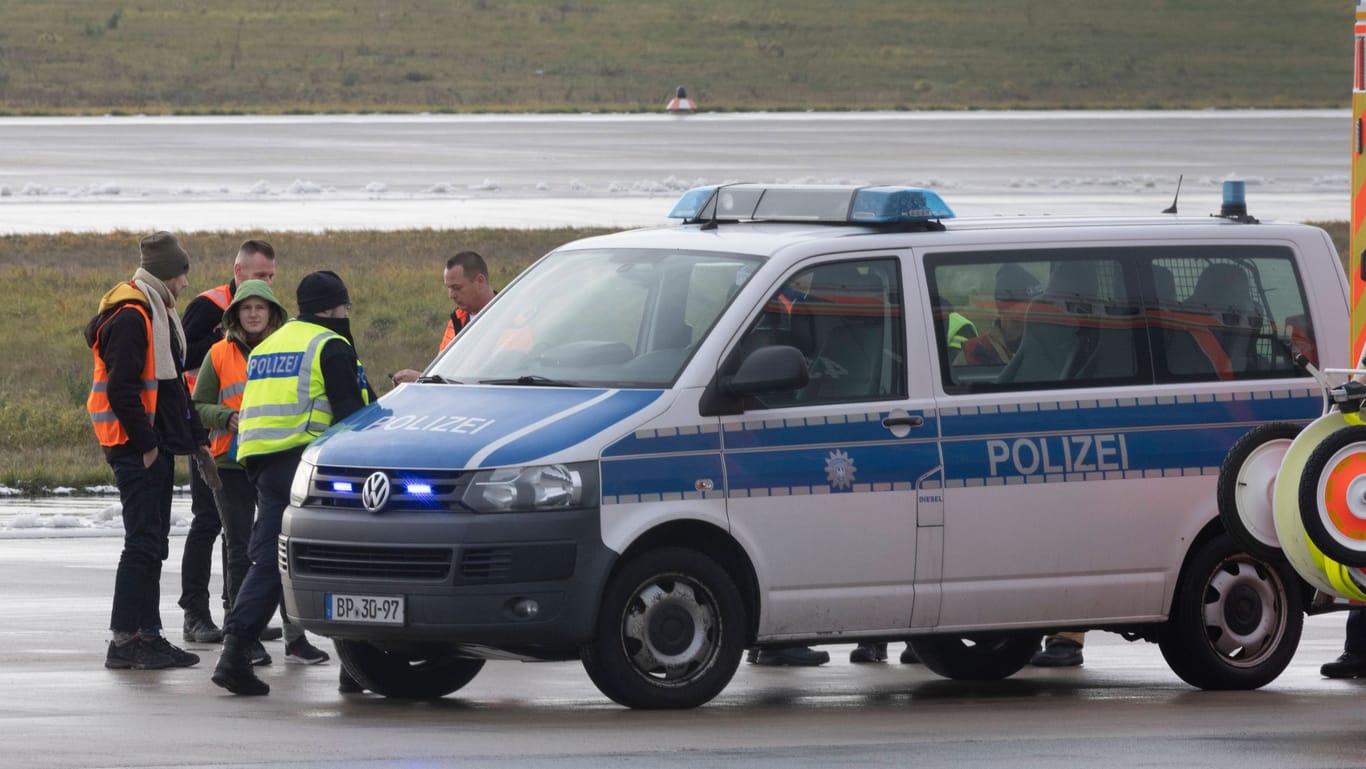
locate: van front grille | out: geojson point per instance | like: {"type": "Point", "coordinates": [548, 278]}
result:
{"type": "Point", "coordinates": [371, 561]}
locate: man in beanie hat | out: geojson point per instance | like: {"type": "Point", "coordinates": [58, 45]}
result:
{"type": "Point", "coordinates": [203, 318]}
{"type": "Point", "coordinates": [302, 379]}
{"type": "Point", "coordinates": [140, 411]}
{"type": "Point", "coordinates": [253, 315]}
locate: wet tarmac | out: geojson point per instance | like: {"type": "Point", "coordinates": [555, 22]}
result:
{"type": "Point", "coordinates": [1122, 708]}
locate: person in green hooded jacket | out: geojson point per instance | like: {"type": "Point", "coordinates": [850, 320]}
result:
{"type": "Point", "coordinates": [253, 315]}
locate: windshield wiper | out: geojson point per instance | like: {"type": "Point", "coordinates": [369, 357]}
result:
{"type": "Point", "coordinates": [437, 379]}
{"type": "Point", "coordinates": [530, 379]}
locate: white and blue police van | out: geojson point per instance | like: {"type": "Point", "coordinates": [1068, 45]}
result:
{"type": "Point", "coordinates": [817, 415]}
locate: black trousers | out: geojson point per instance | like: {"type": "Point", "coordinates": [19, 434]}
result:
{"type": "Point", "coordinates": [196, 563]}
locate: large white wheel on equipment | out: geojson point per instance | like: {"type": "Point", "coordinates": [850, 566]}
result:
{"type": "Point", "coordinates": [1333, 496]}
{"type": "Point", "coordinates": [1286, 502]}
{"type": "Point", "coordinates": [1246, 481]}
{"type": "Point", "coordinates": [1322, 573]}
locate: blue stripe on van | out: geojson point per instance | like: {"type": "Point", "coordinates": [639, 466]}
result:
{"type": "Point", "coordinates": [658, 476]}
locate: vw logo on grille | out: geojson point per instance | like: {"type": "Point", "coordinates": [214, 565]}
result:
{"type": "Point", "coordinates": [375, 494]}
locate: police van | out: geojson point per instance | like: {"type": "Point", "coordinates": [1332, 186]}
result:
{"type": "Point", "coordinates": [813, 415]}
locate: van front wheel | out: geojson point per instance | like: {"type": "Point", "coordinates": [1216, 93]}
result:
{"type": "Point", "coordinates": [979, 657]}
{"type": "Point", "coordinates": [670, 631]}
{"type": "Point", "coordinates": [1235, 621]}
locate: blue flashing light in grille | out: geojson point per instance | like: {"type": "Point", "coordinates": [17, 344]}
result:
{"type": "Point", "coordinates": [827, 204]}
{"type": "Point", "coordinates": [419, 489]}
{"type": "Point", "coordinates": [343, 487]}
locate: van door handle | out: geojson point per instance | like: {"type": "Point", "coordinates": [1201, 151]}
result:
{"type": "Point", "coordinates": [908, 421]}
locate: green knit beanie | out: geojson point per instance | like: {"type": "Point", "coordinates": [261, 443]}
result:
{"type": "Point", "coordinates": [163, 257]}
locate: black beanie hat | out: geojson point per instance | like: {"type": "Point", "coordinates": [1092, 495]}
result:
{"type": "Point", "coordinates": [163, 257]}
{"type": "Point", "coordinates": [321, 291]}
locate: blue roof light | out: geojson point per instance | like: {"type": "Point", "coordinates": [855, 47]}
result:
{"type": "Point", "coordinates": [826, 204]}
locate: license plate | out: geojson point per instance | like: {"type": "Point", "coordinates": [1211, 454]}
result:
{"type": "Point", "coordinates": [371, 609]}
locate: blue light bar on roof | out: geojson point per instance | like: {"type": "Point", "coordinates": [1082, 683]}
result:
{"type": "Point", "coordinates": [811, 203]}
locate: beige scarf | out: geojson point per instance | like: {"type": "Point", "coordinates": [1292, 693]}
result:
{"type": "Point", "coordinates": [164, 318]}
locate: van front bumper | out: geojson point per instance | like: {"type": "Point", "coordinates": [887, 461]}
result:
{"type": "Point", "coordinates": [466, 579]}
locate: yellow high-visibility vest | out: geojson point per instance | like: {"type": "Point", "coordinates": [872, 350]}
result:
{"type": "Point", "coordinates": [285, 403]}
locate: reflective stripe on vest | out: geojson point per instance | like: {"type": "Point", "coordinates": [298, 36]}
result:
{"type": "Point", "coordinates": [285, 403]}
{"type": "Point", "coordinates": [230, 365]}
{"type": "Point", "coordinates": [108, 429]}
{"type": "Point", "coordinates": [221, 296]}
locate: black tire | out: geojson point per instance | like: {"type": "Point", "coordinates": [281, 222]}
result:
{"type": "Point", "coordinates": [424, 673]}
{"type": "Point", "coordinates": [670, 631]}
{"type": "Point", "coordinates": [1324, 459]}
{"type": "Point", "coordinates": [978, 657]}
{"type": "Point", "coordinates": [1230, 483]}
{"type": "Point", "coordinates": [1236, 618]}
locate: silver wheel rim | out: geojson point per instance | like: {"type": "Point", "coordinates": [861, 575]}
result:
{"type": "Point", "coordinates": [1243, 612]}
{"type": "Point", "coordinates": [671, 630]}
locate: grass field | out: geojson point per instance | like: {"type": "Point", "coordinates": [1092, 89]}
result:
{"type": "Point", "coordinates": [167, 56]}
{"type": "Point", "coordinates": [50, 284]}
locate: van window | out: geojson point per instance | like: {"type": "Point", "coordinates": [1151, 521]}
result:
{"type": "Point", "coordinates": [1092, 318]}
{"type": "Point", "coordinates": [846, 319]}
{"type": "Point", "coordinates": [1228, 313]}
{"type": "Point", "coordinates": [1039, 319]}
{"type": "Point", "coordinates": [601, 318]}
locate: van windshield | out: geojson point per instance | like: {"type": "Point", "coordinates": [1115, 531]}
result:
{"type": "Point", "coordinates": [598, 318]}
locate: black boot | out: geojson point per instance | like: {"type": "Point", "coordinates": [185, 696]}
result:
{"type": "Point", "coordinates": [233, 671]}
{"type": "Point", "coordinates": [199, 628]}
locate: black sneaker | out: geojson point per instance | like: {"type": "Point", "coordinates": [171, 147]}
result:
{"type": "Point", "coordinates": [909, 657]}
{"type": "Point", "coordinates": [257, 654]}
{"type": "Point", "coordinates": [136, 655]}
{"type": "Point", "coordinates": [179, 657]}
{"type": "Point", "coordinates": [791, 656]}
{"type": "Point", "coordinates": [1058, 653]}
{"type": "Point", "coordinates": [199, 629]}
{"type": "Point", "coordinates": [868, 653]}
{"type": "Point", "coordinates": [305, 653]}
{"type": "Point", "coordinates": [1349, 665]}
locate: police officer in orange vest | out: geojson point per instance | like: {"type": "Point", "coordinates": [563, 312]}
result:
{"type": "Point", "coordinates": [203, 327]}
{"type": "Point", "coordinates": [141, 413]}
{"type": "Point", "coordinates": [467, 284]}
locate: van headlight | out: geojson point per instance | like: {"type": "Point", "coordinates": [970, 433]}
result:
{"type": "Point", "coordinates": [303, 481]}
{"type": "Point", "coordinates": [532, 488]}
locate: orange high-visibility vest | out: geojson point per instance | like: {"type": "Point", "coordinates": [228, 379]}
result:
{"type": "Point", "coordinates": [231, 367]}
{"type": "Point", "coordinates": [221, 296]}
{"type": "Point", "coordinates": [108, 429]}
{"type": "Point", "coordinates": [451, 330]}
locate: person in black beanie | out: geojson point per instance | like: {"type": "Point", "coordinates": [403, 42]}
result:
{"type": "Point", "coordinates": [140, 412]}
{"type": "Point", "coordinates": [312, 354]}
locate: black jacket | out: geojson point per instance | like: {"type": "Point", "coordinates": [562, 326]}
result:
{"type": "Point", "coordinates": [123, 346]}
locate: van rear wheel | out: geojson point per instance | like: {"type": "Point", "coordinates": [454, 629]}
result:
{"type": "Point", "coordinates": [978, 657]}
{"type": "Point", "coordinates": [419, 673]}
{"type": "Point", "coordinates": [670, 631]}
{"type": "Point", "coordinates": [1236, 618]}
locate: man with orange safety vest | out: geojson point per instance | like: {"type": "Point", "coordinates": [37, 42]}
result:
{"type": "Point", "coordinates": [467, 284]}
{"type": "Point", "coordinates": [141, 414]}
{"type": "Point", "coordinates": [255, 260]}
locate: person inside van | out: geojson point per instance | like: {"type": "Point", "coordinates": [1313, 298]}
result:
{"type": "Point", "coordinates": [1015, 288]}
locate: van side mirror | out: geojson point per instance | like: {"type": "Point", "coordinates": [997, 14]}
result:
{"type": "Point", "coordinates": [775, 368]}
{"type": "Point", "coordinates": [768, 369]}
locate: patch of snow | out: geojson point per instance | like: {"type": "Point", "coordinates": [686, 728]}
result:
{"type": "Point", "coordinates": [260, 188]}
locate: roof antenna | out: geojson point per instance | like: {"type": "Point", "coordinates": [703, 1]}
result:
{"type": "Point", "coordinates": [1172, 208]}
